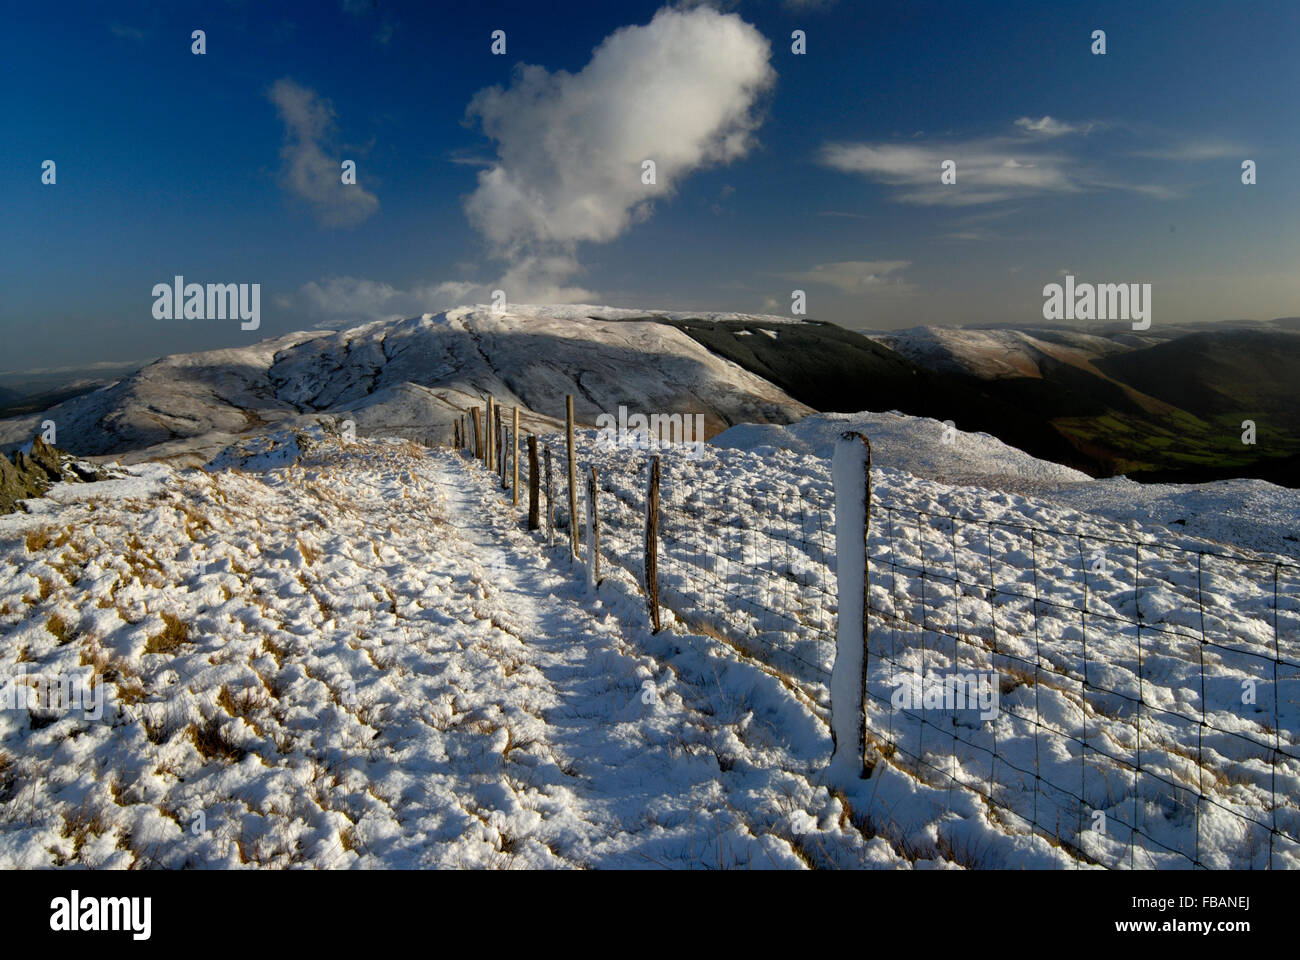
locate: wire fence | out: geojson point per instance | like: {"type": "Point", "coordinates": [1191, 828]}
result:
{"type": "Point", "coordinates": [1134, 703]}
{"type": "Point", "coordinates": [1146, 693]}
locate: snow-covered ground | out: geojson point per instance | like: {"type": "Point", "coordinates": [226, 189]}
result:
{"type": "Point", "coordinates": [360, 659]}
{"type": "Point", "coordinates": [354, 654]}
{"type": "Point", "coordinates": [1143, 633]}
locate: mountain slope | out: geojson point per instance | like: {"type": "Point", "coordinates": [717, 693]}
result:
{"type": "Point", "coordinates": [414, 378]}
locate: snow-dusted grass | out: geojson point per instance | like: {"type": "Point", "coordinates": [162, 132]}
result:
{"type": "Point", "coordinates": [341, 655]}
{"type": "Point", "coordinates": [359, 659]}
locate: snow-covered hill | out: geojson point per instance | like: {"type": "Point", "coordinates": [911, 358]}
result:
{"type": "Point", "coordinates": [413, 378]}
{"type": "Point", "coordinates": [919, 445]}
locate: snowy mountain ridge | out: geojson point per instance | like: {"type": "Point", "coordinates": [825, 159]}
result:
{"type": "Point", "coordinates": [413, 378]}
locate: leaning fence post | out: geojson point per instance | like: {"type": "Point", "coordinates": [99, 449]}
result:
{"type": "Point", "coordinates": [550, 501]}
{"type": "Point", "coordinates": [652, 544]}
{"type": "Point", "coordinates": [593, 533]}
{"type": "Point", "coordinates": [573, 479]}
{"type": "Point", "coordinates": [851, 471]}
{"type": "Point", "coordinates": [478, 433]}
{"type": "Point", "coordinates": [533, 515]}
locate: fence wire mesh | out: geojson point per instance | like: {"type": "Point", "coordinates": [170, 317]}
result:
{"type": "Point", "coordinates": [1145, 704]}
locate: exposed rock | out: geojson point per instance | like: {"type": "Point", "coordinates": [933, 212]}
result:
{"type": "Point", "coordinates": [30, 474]}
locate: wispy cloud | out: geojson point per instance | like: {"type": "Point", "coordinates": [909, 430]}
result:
{"type": "Point", "coordinates": [342, 301]}
{"type": "Point", "coordinates": [994, 169]}
{"type": "Point", "coordinates": [1196, 151]}
{"type": "Point", "coordinates": [126, 32]}
{"type": "Point", "coordinates": [987, 171]}
{"type": "Point", "coordinates": [1051, 127]}
{"type": "Point", "coordinates": [857, 277]}
{"type": "Point", "coordinates": [311, 170]}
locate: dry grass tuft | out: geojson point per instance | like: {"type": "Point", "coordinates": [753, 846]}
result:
{"type": "Point", "coordinates": [176, 633]}
{"type": "Point", "coordinates": [59, 629]}
{"type": "Point", "coordinates": [211, 742]}
{"type": "Point", "coordinates": [80, 826]}
{"type": "Point", "coordinates": [308, 554]}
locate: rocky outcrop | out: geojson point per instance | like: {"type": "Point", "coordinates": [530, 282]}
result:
{"type": "Point", "coordinates": [31, 473]}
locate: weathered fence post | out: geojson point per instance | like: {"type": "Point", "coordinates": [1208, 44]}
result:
{"type": "Point", "coordinates": [478, 433]}
{"type": "Point", "coordinates": [550, 501]}
{"type": "Point", "coordinates": [593, 533]}
{"type": "Point", "coordinates": [652, 544]}
{"type": "Point", "coordinates": [455, 434]}
{"type": "Point", "coordinates": [851, 472]}
{"type": "Point", "coordinates": [498, 451]}
{"type": "Point", "coordinates": [533, 516]}
{"type": "Point", "coordinates": [514, 457]}
{"type": "Point", "coordinates": [573, 478]}
{"type": "Point", "coordinates": [489, 461]}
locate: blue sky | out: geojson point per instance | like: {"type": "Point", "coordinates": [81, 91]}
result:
{"type": "Point", "coordinates": [776, 171]}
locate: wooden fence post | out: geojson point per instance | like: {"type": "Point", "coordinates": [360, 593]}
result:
{"type": "Point", "coordinates": [593, 533]}
{"type": "Point", "coordinates": [534, 520]}
{"type": "Point", "coordinates": [851, 473]}
{"type": "Point", "coordinates": [514, 457]}
{"type": "Point", "coordinates": [550, 501]}
{"type": "Point", "coordinates": [498, 451]}
{"type": "Point", "coordinates": [652, 544]}
{"type": "Point", "coordinates": [488, 461]}
{"type": "Point", "coordinates": [455, 434]}
{"type": "Point", "coordinates": [478, 433]}
{"type": "Point", "coordinates": [573, 478]}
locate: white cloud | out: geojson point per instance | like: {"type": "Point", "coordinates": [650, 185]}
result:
{"type": "Point", "coordinates": [858, 276]}
{"type": "Point", "coordinates": [988, 171]}
{"type": "Point", "coordinates": [540, 279]}
{"type": "Point", "coordinates": [681, 91]}
{"type": "Point", "coordinates": [1049, 127]}
{"type": "Point", "coordinates": [308, 170]}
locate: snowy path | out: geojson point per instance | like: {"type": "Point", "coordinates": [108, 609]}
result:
{"type": "Point", "coordinates": [648, 782]}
